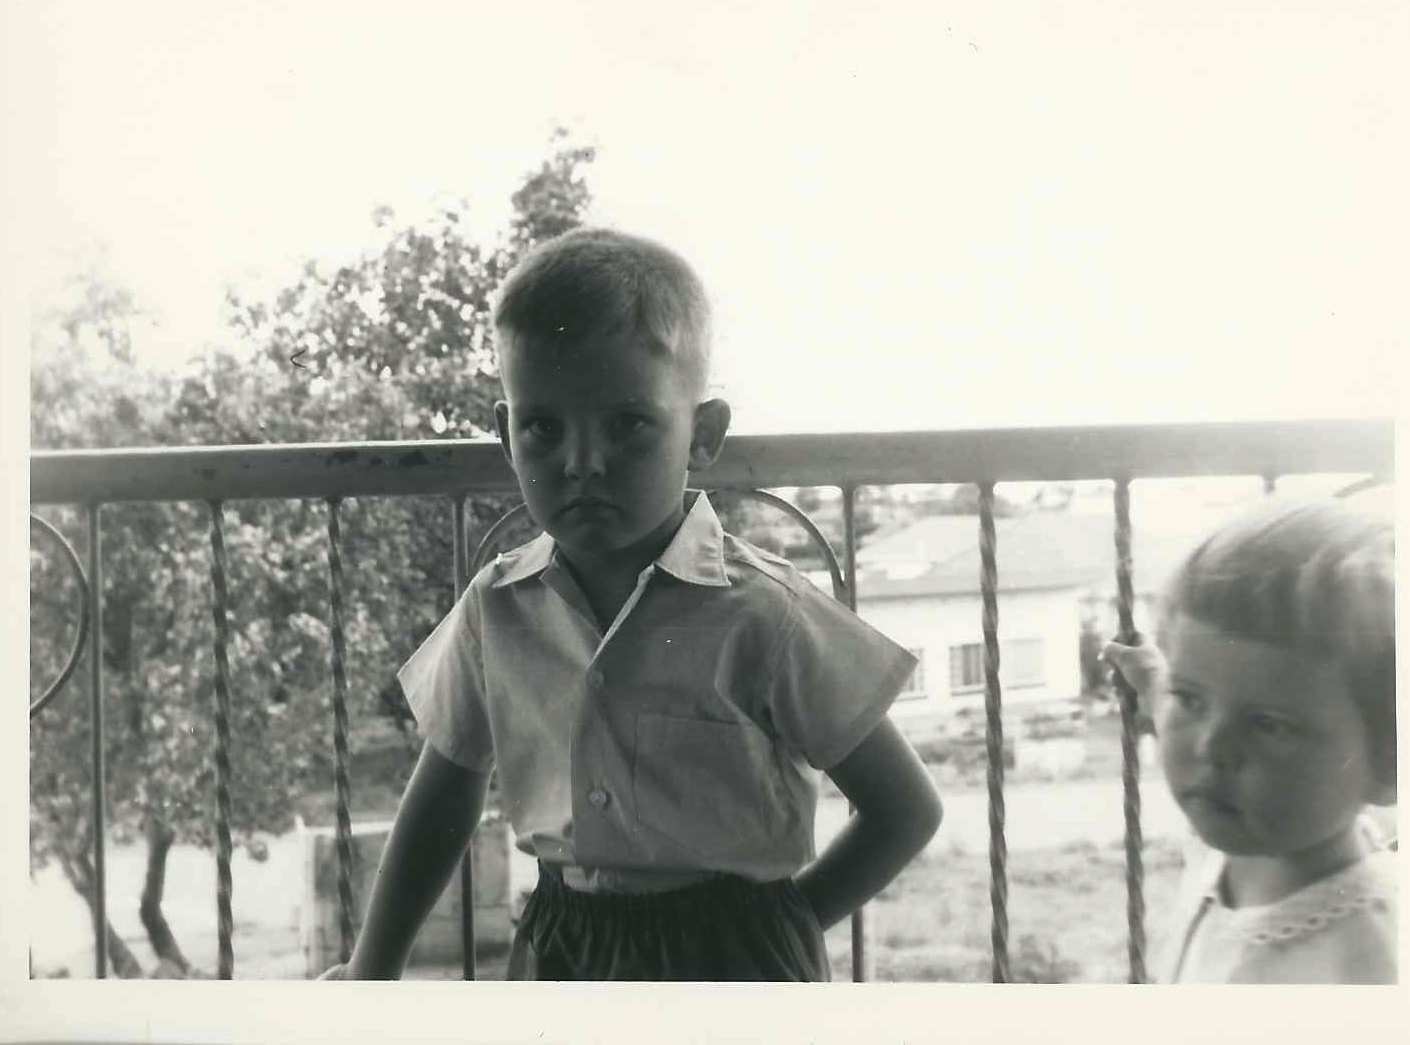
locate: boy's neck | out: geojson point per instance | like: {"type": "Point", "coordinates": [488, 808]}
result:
{"type": "Point", "coordinates": [608, 579]}
{"type": "Point", "coordinates": [1253, 881]}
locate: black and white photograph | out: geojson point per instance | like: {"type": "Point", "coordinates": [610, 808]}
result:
{"type": "Point", "coordinates": [702, 501]}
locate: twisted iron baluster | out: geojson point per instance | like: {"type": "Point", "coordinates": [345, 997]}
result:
{"type": "Point", "coordinates": [994, 733]}
{"type": "Point", "coordinates": [1130, 759]}
{"type": "Point", "coordinates": [222, 747]}
{"type": "Point", "coordinates": [341, 786]}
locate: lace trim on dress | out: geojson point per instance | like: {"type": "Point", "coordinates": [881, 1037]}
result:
{"type": "Point", "coordinates": [1368, 884]}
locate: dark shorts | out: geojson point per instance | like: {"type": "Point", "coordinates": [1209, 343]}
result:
{"type": "Point", "coordinates": [723, 929]}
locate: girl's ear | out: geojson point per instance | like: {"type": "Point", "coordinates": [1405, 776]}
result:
{"type": "Point", "coordinates": [501, 425]}
{"type": "Point", "coordinates": [707, 436]}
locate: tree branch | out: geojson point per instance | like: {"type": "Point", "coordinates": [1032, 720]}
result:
{"type": "Point", "coordinates": [159, 839]}
{"type": "Point", "coordinates": [78, 869]}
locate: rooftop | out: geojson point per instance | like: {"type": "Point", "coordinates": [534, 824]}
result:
{"type": "Point", "coordinates": [1041, 550]}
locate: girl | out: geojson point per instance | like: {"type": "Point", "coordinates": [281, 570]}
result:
{"type": "Point", "coordinates": [1273, 692]}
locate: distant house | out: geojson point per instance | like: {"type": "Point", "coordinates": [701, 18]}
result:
{"type": "Point", "coordinates": [921, 586]}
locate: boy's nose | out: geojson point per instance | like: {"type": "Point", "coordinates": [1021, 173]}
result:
{"type": "Point", "coordinates": [584, 458]}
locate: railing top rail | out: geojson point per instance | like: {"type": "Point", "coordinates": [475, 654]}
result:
{"type": "Point", "coordinates": [319, 470]}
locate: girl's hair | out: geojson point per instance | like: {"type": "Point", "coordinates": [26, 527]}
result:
{"type": "Point", "coordinates": [597, 282]}
{"type": "Point", "coordinates": [1317, 577]}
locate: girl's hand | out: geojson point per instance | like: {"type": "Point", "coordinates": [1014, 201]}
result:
{"type": "Point", "coordinates": [1144, 669]}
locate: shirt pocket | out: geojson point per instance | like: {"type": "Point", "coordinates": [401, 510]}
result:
{"type": "Point", "coordinates": [702, 783]}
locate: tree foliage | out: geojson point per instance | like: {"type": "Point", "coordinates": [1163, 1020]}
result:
{"type": "Point", "coordinates": [391, 344]}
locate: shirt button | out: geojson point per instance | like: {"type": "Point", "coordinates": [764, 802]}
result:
{"type": "Point", "coordinates": [594, 679]}
{"type": "Point", "coordinates": [597, 797]}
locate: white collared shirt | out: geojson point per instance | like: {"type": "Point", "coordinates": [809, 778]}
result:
{"type": "Point", "coordinates": [687, 738]}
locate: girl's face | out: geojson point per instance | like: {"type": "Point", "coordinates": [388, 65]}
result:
{"type": "Point", "coordinates": [1263, 747]}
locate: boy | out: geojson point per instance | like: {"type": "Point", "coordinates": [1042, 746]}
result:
{"type": "Point", "coordinates": [657, 696]}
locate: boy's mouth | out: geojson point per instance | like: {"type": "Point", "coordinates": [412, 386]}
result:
{"type": "Point", "coordinates": [586, 505]}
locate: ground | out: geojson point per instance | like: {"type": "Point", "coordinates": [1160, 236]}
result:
{"type": "Point", "coordinates": [1066, 906]}
{"type": "Point", "coordinates": [1065, 870]}
{"type": "Point", "coordinates": [1066, 896]}
{"type": "Point", "coordinates": [1066, 915]}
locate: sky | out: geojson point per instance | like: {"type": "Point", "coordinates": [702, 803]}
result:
{"type": "Point", "coordinates": [910, 216]}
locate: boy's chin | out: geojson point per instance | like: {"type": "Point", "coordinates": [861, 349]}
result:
{"type": "Point", "coordinates": [592, 540]}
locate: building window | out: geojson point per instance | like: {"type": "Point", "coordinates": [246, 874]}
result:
{"type": "Point", "coordinates": [1020, 664]}
{"type": "Point", "coordinates": [914, 687]}
{"type": "Point", "coordinates": [967, 667]}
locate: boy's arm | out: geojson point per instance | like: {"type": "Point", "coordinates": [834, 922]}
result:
{"type": "Point", "coordinates": [437, 815]}
{"type": "Point", "coordinates": [897, 812]}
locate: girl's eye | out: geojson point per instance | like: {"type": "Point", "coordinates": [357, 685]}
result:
{"type": "Point", "coordinates": [1187, 701]}
{"type": "Point", "coordinates": [1274, 726]}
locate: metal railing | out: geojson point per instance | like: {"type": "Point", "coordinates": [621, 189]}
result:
{"type": "Point", "coordinates": [461, 469]}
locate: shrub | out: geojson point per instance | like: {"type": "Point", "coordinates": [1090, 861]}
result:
{"type": "Point", "coordinates": [1039, 961]}
{"type": "Point", "coordinates": [961, 753]}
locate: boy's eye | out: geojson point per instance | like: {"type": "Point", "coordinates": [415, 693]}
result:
{"type": "Point", "coordinates": [540, 427]}
{"type": "Point", "coordinates": [624, 425]}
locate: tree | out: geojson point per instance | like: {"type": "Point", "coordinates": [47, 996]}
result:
{"type": "Point", "coordinates": [964, 500]}
{"type": "Point", "coordinates": [823, 505]}
{"type": "Point", "coordinates": [394, 344]}
{"type": "Point", "coordinates": [156, 639]}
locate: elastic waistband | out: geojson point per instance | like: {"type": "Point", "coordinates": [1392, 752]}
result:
{"type": "Point", "coordinates": [604, 880]}
{"type": "Point", "coordinates": [715, 894]}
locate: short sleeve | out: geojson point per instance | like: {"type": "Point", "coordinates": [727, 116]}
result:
{"type": "Point", "coordinates": [833, 679]}
{"type": "Point", "coordinates": [444, 682]}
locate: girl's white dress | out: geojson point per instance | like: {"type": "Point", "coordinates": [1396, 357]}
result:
{"type": "Point", "coordinates": [1342, 929]}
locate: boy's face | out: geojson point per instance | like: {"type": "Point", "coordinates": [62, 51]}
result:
{"type": "Point", "coordinates": [601, 436]}
{"type": "Point", "coordinates": [1263, 747]}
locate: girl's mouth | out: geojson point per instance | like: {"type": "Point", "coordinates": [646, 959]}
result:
{"type": "Point", "coordinates": [1212, 802]}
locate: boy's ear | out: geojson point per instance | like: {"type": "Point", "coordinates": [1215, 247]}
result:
{"type": "Point", "coordinates": [707, 437]}
{"type": "Point", "coordinates": [501, 426]}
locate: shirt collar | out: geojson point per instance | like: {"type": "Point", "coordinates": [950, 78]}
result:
{"type": "Point", "coordinates": [695, 555]}
{"type": "Point", "coordinates": [530, 560]}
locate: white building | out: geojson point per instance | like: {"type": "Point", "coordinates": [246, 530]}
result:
{"type": "Point", "coordinates": [921, 586]}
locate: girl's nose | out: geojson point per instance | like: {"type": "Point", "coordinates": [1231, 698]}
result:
{"type": "Point", "coordinates": [1218, 744]}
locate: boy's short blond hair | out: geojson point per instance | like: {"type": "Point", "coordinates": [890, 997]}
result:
{"type": "Point", "coordinates": [1317, 577]}
{"type": "Point", "coordinates": [597, 282]}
